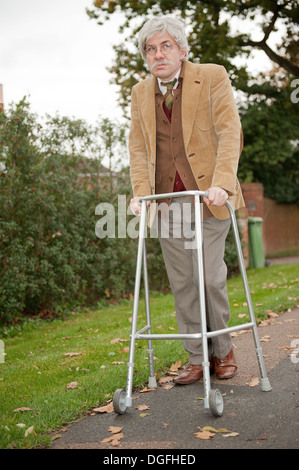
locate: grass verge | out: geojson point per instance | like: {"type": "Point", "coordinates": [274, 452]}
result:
{"type": "Point", "coordinates": [45, 386]}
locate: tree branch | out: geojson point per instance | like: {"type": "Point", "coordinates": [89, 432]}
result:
{"type": "Point", "coordinates": [281, 61]}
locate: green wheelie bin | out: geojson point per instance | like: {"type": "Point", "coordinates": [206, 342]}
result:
{"type": "Point", "coordinates": [256, 244]}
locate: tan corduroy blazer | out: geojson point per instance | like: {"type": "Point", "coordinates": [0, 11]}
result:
{"type": "Point", "coordinates": [211, 130]}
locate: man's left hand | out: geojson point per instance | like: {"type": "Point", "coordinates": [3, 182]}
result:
{"type": "Point", "coordinates": [217, 197]}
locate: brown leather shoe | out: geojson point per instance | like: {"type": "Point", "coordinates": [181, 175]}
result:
{"type": "Point", "coordinates": [191, 374]}
{"type": "Point", "coordinates": [225, 368]}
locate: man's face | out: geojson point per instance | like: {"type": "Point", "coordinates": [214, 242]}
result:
{"type": "Point", "coordinates": [164, 66]}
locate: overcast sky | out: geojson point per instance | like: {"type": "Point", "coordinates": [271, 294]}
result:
{"type": "Point", "coordinates": [52, 51]}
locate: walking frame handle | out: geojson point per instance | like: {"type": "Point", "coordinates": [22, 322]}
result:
{"type": "Point", "coordinates": [155, 197]}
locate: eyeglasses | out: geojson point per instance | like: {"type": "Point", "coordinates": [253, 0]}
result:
{"type": "Point", "coordinates": [166, 48]}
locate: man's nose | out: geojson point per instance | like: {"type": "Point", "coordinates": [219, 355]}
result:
{"type": "Point", "coordinates": [159, 54]}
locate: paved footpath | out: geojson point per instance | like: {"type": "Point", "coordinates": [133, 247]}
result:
{"type": "Point", "coordinates": [253, 419]}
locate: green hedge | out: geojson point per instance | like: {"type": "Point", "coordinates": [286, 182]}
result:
{"type": "Point", "coordinates": [50, 256]}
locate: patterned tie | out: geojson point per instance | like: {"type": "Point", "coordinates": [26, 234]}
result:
{"type": "Point", "coordinates": [168, 97]}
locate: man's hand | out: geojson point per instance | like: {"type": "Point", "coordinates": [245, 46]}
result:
{"type": "Point", "coordinates": [135, 205]}
{"type": "Point", "coordinates": [217, 197]}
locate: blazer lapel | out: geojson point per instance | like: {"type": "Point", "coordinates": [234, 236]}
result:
{"type": "Point", "coordinates": [192, 86]}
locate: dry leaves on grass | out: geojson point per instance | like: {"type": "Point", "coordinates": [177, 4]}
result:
{"type": "Point", "coordinates": [118, 340]}
{"type": "Point", "coordinates": [72, 385]}
{"type": "Point", "coordinates": [175, 366]}
{"type": "Point", "coordinates": [71, 354]}
{"type": "Point", "coordinates": [23, 408]}
{"type": "Point", "coordinates": [271, 314]}
{"type": "Point", "coordinates": [29, 431]}
{"type": "Point", "coordinates": [124, 350]}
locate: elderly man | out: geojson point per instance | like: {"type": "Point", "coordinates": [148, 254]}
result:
{"type": "Point", "coordinates": [186, 135]}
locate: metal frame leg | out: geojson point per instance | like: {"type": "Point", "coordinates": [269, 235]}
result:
{"type": "Point", "coordinates": [202, 304]}
{"type": "Point", "coordinates": [152, 379]}
{"type": "Point", "coordinates": [141, 245]}
{"type": "Point", "coordinates": [265, 384]}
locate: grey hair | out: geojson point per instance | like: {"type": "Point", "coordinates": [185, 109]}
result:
{"type": "Point", "coordinates": [172, 26]}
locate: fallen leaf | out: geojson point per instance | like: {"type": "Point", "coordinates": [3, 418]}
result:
{"type": "Point", "coordinates": [124, 350]}
{"type": "Point", "coordinates": [272, 314]}
{"type": "Point", "coordinates": [168, 387]}
{"type": "Point", "coordinates": [72, 385]}
{"type": "Point", "coordinates": [231, 434]}
{"type": "Point", "coordinates": [238, 333]}
{"type": "Point", "coordinates": [209, 428]}
{"type": "Point", "coordinates": [114, 440]}
{"type": "Point", "coordinates": [145, 390]}
{"type": "Point", "coordinates": [23, 408]}
{"type": "Point", "coordinates": [142, 407]}
{"type": "Point", "coordinates": [253, 382]}
{"type": "Point", "coordinates": [70, 354]}
{"type": "Point", "coordinates": [117, 340]}
{"type": "Point", "coordinates": [204, 434]}
{"type": "Point", "coordinates": [176, 366]}
{"type": "Point", "coordinates": [142, 415]}
{"type": "Point", "coordinates": [105, 409]}
{"type": "Point", "coordinates": [118, 362]}
{"type": "Point", "coordinates": [165, 380]}
{"type": "Point", "coordinates": [29, 431]}
{"type": "Point", "coordinates": [265, 339]}
{"type": "Point", "coordinates": [115, 429]}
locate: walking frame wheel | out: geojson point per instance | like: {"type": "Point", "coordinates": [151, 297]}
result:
{"type": "Point", "coordinates": [119, 401]}
{"type": "Point", "coordinates": [216, 402]}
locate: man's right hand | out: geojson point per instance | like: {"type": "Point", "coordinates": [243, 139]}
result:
{"type": "Point", "coordinates": [135, 205]}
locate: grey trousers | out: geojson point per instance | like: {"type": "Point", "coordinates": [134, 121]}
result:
{"type": "Point", "coordinates": [176, 227]}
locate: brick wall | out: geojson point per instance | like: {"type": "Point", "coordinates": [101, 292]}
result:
{"type": "Point", "coordinates": [280, 221]}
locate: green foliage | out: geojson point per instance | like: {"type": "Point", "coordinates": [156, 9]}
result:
{"type": "Point", "coordinates": [270, 155]}
{"type": "Point", "coordinates": [49, 254]}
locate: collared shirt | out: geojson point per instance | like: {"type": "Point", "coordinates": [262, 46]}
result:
{"type": "Point", "coordinates": [162, 88]}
